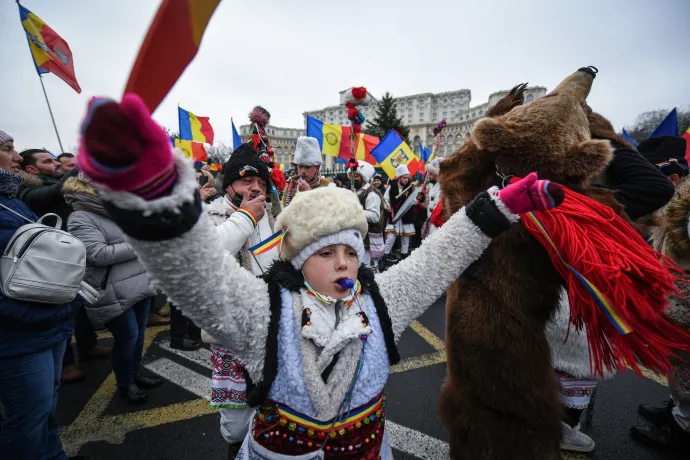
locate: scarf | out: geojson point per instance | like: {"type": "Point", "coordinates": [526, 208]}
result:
{"type": "Point", "coordinates": [9, 183]}
{"type": "Point", "coordinates": [85, 202]}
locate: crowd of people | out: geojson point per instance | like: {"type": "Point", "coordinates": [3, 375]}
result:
{"type": "Point", "coordinates": [303, 334]}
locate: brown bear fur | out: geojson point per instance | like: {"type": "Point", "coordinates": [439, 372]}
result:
{"type": "Point", "coordinates": [500, 401]}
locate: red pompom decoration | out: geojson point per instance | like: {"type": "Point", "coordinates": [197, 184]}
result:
{"type": "Point", "coordinates": [359, 92]}
{"type": "Point", "coordinates": [357, 128]}
{"type": "Point", "coordinates": [352, 163]}
{"type": "Point", "coordinates": [352, 113]}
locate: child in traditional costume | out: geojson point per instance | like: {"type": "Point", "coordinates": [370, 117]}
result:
{"type": "Point", "coordinates": [318, 332]}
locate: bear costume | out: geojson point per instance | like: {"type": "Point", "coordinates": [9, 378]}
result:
{"type": "Point", "coordinates": [500, 399]}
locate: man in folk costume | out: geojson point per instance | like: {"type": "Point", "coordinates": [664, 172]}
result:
{"type": "Point", "coordinates": [242, 222]}
{"type": "Point", "coordinates": [307, 163]}
{"type": "Point", "coordinates": [318, 332]}
{"type": "Point", "coordinates": [400, 197]}
{"type": "Point", "coordinates": [371, 200]}
{"type": "Point", "coordinates": [432, 197]}
{"type": "Point", "coordinates": [670, 429]}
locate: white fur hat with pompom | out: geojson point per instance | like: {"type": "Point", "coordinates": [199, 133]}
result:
{"type": "Point", "coordinates": [307, 152]}
{"type": "Point", "coordinates": [320, 218]}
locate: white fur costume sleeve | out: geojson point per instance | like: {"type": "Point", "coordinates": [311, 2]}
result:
{"type": "Point", "coordinates": [235, 312]}
{"type": "Point", "coordinates": [411, 286]}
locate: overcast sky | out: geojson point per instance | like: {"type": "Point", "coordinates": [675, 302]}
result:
{"type": "Point", "coordinates": [292, 56]}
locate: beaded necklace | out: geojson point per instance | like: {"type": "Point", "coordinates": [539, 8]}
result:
{"type": "Point", "coordinates": [349, 300]}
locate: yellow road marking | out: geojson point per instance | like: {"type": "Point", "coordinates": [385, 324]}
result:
{"type": "Point", "coordinates": [431, 338]}
{"type": "Point", "coordinates": [419, 362]}
{"type": "Point", "coordinates": [90, 424]}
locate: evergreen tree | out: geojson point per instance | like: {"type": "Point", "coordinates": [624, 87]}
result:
{"type": "Point", "coordinates": [386, 119]}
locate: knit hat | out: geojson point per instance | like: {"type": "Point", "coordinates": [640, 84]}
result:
{"type": "Point", "coordinates": [377, 176]}
{"type": "Point", "coordinates": [4, 137]}
{"type": "Point", "coordinates": [339, 220]}
{"type": "Point", "coordinates": [244, 162]}
{"type": "Point", "coordinates": [434, 167]}
{"type": "Point", "coordinates": [307, 152]}
{"type": "Point", "coordinates": [365, 170]}
{"type": "Point", "coordinates": [667, 153]}
{"type": "Point", "coordinates": [401, 171]}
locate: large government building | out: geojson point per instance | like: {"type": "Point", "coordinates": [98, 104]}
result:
{"type": "Point", "coordinates": [420, 112]}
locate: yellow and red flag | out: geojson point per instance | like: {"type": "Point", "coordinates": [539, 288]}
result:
{"type": "Point", "coordinates": [393, 151]}
{"type": "Point", "coordinates": [170, 45]}
{"type": "Point", "coordinates": [193, 150]}
{"type": "Point", "coordinates": [50, 52]}
{"type": "Point", "coordinates": [686, 136]}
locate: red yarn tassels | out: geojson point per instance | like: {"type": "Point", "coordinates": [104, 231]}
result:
{"type": "Point", "coordinates": [633, 279]}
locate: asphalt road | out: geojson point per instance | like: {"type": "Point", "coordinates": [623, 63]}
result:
{"type": "Point", "coordinates": [177, 424]}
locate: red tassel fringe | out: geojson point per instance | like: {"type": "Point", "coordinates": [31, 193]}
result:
{"type": "Point", "coordinates": [634, 278]}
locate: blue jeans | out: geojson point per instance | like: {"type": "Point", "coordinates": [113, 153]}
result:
{"type": "Point", "coordinates": [28, 390]}
{"type": "Point", "coordinates": [128, 330]}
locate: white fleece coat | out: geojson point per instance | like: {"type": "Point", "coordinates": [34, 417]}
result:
{"type": "Point", "coordinates": [236, 229]}
{"type": "Point", "coordinates": [237, 312]}
{"type": "Point", "coordinates": [571, 355]}
{"type": "Point", "coordinates": [372, 206]}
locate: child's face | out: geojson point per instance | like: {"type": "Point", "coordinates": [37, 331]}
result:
{"type": "Point", "coordinates": [327, 266]}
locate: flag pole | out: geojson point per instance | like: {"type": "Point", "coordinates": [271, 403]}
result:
{"type": "Point", "coordinates": [62, 150]}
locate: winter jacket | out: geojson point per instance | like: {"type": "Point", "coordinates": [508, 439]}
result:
{"type": "Point", "coordinates": [27, 327]}
{"type": "Point", "coordinates": [237, 312]}
{"type": "Point", "coordinates": [638, 184]}
{"type": "Point", "coordinates": [433, 197]}
{"type": "Point", "coordinates": [107, 253]}
{"type": "Point", "coordinates": [237, 234]}
{"type": "Point", "coordinates": [46, 198]}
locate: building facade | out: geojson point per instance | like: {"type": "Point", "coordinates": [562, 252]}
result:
{"type": "Point", "coordinates": [283, 141]}
{"type": "Point", "coordinates": [422, 112]}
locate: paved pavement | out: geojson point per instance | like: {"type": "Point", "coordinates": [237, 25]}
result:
{"type": "Point", "coordinates": [177, 424]}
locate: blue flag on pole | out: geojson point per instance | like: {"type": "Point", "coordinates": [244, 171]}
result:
{"type": "Point", "coordinates": [627, 137]}
{"type": "Point", "coordinates": [668, 126]}
{"type": "Point", "coordinates": [236, 139]}
{"type": "Point", "coordinates": [424, 152]}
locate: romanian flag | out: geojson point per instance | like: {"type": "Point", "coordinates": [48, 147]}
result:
{"type": "Point", "coordinates": [193, 128]}
{"type": "Point", "coordinates": [193, 150]}
{"type": "Point", "coordinates": [50, 52]}
{"type": "Point", "coordinates": [393, 151]}
{"type": "Point", "coordinates": [335, 140]}
{"type": "Point", "coordinates": [170, 45]}
{"type": "Point", "coordinates": [216, 167]}
{"type": "Point", "coordinates": [268, 244]}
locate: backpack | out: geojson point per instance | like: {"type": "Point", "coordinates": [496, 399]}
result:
{"type": "Point", "coordinates": [41, 263]}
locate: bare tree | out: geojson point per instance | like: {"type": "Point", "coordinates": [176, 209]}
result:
{"type": "Point", "coordinates": [646, 122]}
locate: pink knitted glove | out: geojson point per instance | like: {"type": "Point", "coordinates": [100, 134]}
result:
{"type": "Point", "coordinates": [123, 149]}
{"type": "Point", "coordinates": [531, 194]}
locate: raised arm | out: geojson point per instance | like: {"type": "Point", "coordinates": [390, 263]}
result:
{"type": "Point", "coordinates": [446, 254]}
{"type": "Point", "coordinates": [153, 196]}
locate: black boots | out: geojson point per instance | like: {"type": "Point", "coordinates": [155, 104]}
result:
{"type": "Point", "coordinates": [665, 433]}
{"type": "Point", "coordinates": [148, 382]}
{"type": "Point", "coordinates": [184, 344]}
{"type": "Point", "coordinates": [657, 415]}
{"type": "Point", "coordinates": [133, 394]}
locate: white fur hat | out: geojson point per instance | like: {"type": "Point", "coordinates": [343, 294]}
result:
{"type": "Point", "coordinates": [401, 171]}
{"type": "Point", "coordinates": [320, 218]}
{"type": "Point", "coordinates": [365, 170]}
{"type": "Point", "coordinates": [434, 167]}
{"type": "Point", "coordinates": [307, 152]}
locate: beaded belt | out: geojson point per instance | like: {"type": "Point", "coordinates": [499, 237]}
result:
{"type": "Point", "coordinates": [283, 430]}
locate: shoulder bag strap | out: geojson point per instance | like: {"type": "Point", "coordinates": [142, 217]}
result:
{"type": "Point", "coordinates": [17, 214]}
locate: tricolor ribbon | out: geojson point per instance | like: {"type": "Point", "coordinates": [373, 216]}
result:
{"type": "Point", "coordinates": [602, 302]}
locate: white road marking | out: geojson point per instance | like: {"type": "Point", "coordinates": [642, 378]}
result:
{"type": "Point", "coordinates": [202, 356]}
{"type": "Point", "coordinates": [404, 439]}
{"type": "Point", "coordinates": [181, 376]}
{"type": "Point", "coordinates": [414, 443]}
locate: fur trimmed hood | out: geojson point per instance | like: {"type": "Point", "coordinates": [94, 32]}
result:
{"type": "Point", "coordinates": [30, 180]}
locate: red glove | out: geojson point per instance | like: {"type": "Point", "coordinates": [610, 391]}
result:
{"type": "Point", "coordinates": [530, 194]}
{"type": "Point", "coordinates": [122, 148]}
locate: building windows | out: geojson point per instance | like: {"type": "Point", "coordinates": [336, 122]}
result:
{"type": "Point", "coordinates": [449, 139]}
{"type": "Point", "coordinates": [529, 98]}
